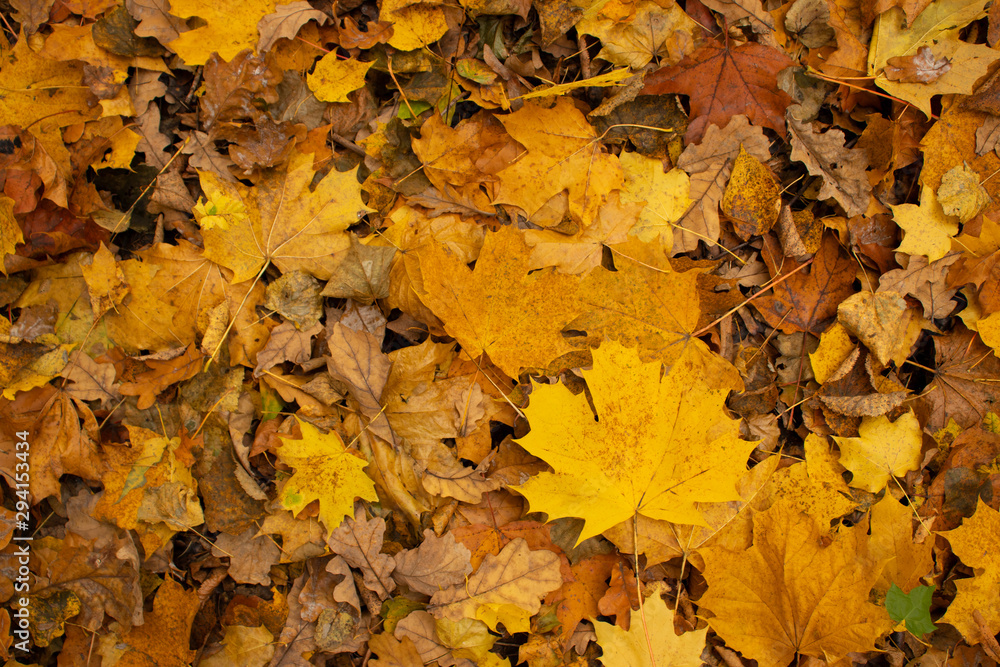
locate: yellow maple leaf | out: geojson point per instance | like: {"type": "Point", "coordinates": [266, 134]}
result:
{"type": "Point", "coordinates": [325, 470]}
{"type": "Point", "coordinates": [282, 221]}
{"type": "Point", "coordinates": [977, 543]}
{"type": "Point", "coordinates": [883, 449]}
{"type": "Point", "coordinates": [892, 541]}
{"type": "Point", "coordinates": [665, 195]}
{"type": "Point", "coordinates": [334, 77]}
{"type": "Point", "coordinates": [787, 594]}
{"type": "Point", "coordinates": [656, 447]}
{"type": "Point", "coordinates": [500, 309]}
{"type": "Point", "coordinates": [630, 648]}
{"type": "Point", "coordinates": [928, 229]}
{"type": "Point", "coordinates": [563, 156]}
{"type": "Point", "coordinates": [937, 27]}
{"type": "Point", "coordinates": [230, 28]}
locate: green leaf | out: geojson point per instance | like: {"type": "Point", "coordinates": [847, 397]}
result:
{"type": "Point", "coordinates": [913, 608]}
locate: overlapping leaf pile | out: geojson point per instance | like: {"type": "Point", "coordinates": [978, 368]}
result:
{"type": "Point", "coordinates": [630, 333]}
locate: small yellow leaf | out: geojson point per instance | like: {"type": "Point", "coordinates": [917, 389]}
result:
{"type": "Point", "coordinates": [879, 320]}
{"type": "Point", "coordinates": [928, 228]}
{"type": "Point", "coordinates": [835, 346]}
{"type": "Point", "coordinates": [752, 198]}
{"type": "Point", "coordinates": [961, 193]}
{"type": "Point", "coordinates": [333, 78]}
{"type": "Point", "coordinates": [325, 470]}
{"type": "Point", "coordinates": [883, 449]}
{"type": "Point", "coordinates": [977, 543]}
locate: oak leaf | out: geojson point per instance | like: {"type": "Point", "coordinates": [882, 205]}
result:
{"type": "Point", "coordinates": [842, 169]}
{"type": "Point", "coordinates": [517, 576]}
{"type": "Point", "coordinates": [787, 595]}
{"type": "Point", "coordinates": [359, 541]}
{"type": "Point", "coordinates": [607, 470]}
{"type": "Point", "coordinates": [325, 470]}
{"type": "Point", "coordinates": [285, 23]}
{"type": "Point", "coordinates": [723, 80]}
{"type": "Point", "coordinates": [439, 562]}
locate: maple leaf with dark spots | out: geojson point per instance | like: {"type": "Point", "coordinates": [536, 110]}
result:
{"type": "Point", "coordinates": [723, 81]}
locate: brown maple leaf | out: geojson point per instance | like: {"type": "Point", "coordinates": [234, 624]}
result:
{"type": "Point", "coordinates": [806, 301]}
{"type": "Point", "coordinates": [723, 80]}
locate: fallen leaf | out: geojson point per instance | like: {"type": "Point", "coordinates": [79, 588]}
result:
{"type": "Point", "coordinates": [751, 200]}
{"type": "Point", "coordinates": [882, 450]}
{"type": "Point", "coordinates": [359, 541]}
{"type": "Point", "coordinates": [975, 543]}
{"type": "Point", "coordinates": [789, 596]}
{"type": "Point", "coordinates": [517, 329]}
{"type": "Point", "coordinates": [742, 80]}
{"type": "Point", "coordinates": [636, 648]}
{"type": "Point", "coordinates": [608, 471]}
{"type": "Point", "coordinates": [283, 220]}
{"type": "Point", "coordinates": [806, 301]}
{"type": "Point", "coordinates": [517, 576]}
{"type": "Point", "coordinates": [325, 470]}
{"type": "Point", "coordinates": [841, 169]}
{"type": "Point", "coordinates": [920, 68]}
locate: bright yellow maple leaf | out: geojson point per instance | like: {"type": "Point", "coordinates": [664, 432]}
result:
{"type": "Point", "coordinates": [977, 543]}
{"type": "Point", "coordinates": [563, 155]}
{"type": "Point", "coordinates": [334, 77]}
{"type": "Point", "coordinates": [229, 28]}
{"type": "Point", "coordinates": [655, 448]}
{"type": "Point", "coordinates": [928, 229]}
{"type": "Point", "coordinates": [892, 541]}
{"type": "Point", "coordinates": [630, 648]}
{"type": "Point", "coordinates": [787, 594]}
{"type": "Point", "coordinates": [500, 309]}
{"type": "Point", "coordinates": [281, 221]}
{"type": "Point", "coordinates": [665, 195]}
{"type": "Point", "coordinates": [883, 449]}
{"type": "Point", "coordinates": [325, 470]}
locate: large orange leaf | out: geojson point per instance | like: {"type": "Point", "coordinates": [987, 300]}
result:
{"type": "Point", "coordinates": [499, 308]}
{"type": "Point", "coordinates": [722, 81]}
{"type": "Point", "coordinates": [788, 595]}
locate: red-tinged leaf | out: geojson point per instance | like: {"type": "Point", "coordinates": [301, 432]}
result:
{"type": "Point", "coordinates": [723, 81]}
